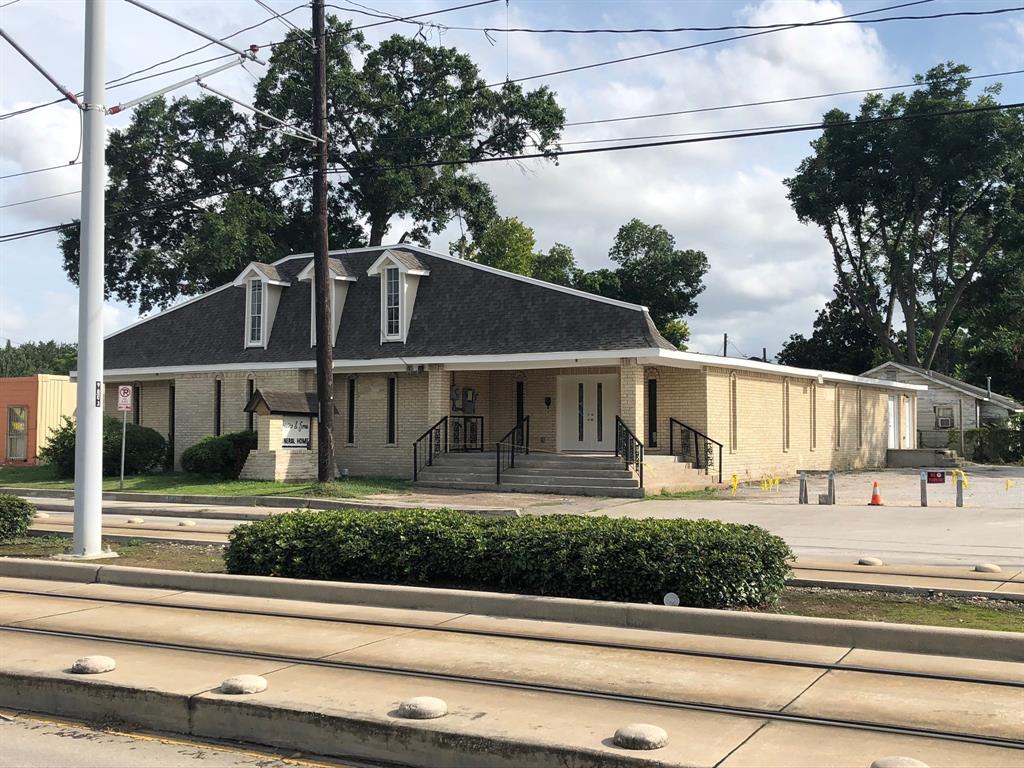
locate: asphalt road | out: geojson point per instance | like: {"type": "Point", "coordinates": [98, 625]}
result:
{"type": "Point", "coordinates": [30, 742]}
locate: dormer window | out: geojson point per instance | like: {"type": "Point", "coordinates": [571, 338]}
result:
{"type": "Point", "coordinates": [392, 303]}
{"type": "Point", "coordinates": [256, 313]}
{"type": "Point", "coordinates": [263, 285]}
{"type": "Point", "coordinates": [400, 272]}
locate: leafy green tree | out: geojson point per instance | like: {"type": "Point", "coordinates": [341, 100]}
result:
{"type": "Point", "coordinates": [173, 229]}
{"type": "Point", "coordinates": [840, 341]}
{"type": "Point", "coordinates": [915, 210]}
{"type": "Point", "coordinates": [557, 266]}
{"type": "Point", "coordinates": [676, 331]}
{"type": "Point", "coordinates": [507, 244]}
{"type": "Point", "coordinates": [34, 357]}
{"type": "Point", "coordinates": [653, 272]}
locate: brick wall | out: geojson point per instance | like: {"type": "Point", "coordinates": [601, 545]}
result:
{"type": "Point", "coordinates": [752, 426]}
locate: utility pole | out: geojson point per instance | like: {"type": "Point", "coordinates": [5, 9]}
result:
{"type": "Point", "coordinates": [725, 345]}
{"type": "Point", "coordinates": [89, 430]}
{"type": "Point", "coordinates": [321, 269]}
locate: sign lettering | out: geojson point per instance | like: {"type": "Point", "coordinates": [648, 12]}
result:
{"type": "Point", "coordinates": [124, 397]}
{"type": "Point", "coordinates": [936, 477]}
{"type": "Point", "coordinates": [295, 432]}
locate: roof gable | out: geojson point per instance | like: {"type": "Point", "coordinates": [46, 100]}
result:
{"type": "Point", "coordinates": [952, 383]}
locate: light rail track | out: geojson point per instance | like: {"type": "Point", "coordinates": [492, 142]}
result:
{"type": "Point", "coordinates": [555, 639]}
{"type": "Point", "coordinates": [747, 712]}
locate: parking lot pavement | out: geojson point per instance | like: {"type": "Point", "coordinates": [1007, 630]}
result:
{"type": "Point", "coordinates": [987, 486]}
{"type": "Point", "coordinates": [933, 535]}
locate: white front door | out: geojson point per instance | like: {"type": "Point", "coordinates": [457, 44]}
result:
{"type": "Point", "coordinates": [894, 422]}
{"type": "Point", "coordinates": [587, 407]}
{"type": "Point", "coordinates": [906, 424]}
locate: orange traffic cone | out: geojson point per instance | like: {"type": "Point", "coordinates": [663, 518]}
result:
{"type": "Point", "coordinates": [876, 497]}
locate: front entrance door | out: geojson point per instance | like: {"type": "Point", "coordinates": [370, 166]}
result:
{"type": "Point", "coordinates": [17, 433]}
{"type": "Point", "coordinates": [587, 406]}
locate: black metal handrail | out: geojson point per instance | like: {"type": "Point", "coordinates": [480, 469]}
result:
{"type": "Point", "coordinates": [516, 440]}
{"type": "Point", "coordinates": [629, 448]}
{"type": "Point", "coordinates": [431, 443]}
{"type": "Point", "coordinates": [467, 433]}
{"type": "Point", "coordinates": [695, 446]}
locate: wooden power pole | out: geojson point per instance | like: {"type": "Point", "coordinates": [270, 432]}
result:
{"type": "Point", "coordinates": [321, 269]}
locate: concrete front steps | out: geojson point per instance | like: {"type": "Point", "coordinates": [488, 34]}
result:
{"type": "Point", "coordinates": [534, 473]}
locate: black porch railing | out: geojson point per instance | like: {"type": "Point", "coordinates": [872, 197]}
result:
{"type": "Point", "coordinates": [516, 440]}
{"type": "Point", "coordinates": [694, 446]}
{"type": "Point", "coordinates": [629, 448]}
{"type": "Point", "coordinates": [449, 434]}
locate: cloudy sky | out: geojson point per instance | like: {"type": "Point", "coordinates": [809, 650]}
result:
{"type": "Point", "coordinates": [768, 272]}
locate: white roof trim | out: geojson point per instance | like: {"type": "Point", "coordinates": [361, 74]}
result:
{"type": "Point", "coordinates": [307, 274]}
{"type": "Point", "coordinates": [386, 256]}
{"type": "Point", "coordinates": [646, 355]}
{"type": "Point", "coordinates": [700, 358]}
{"type": "Point", "coordinates": [253, 266]}
{"type": "Point", "coordinates": [941, 383]}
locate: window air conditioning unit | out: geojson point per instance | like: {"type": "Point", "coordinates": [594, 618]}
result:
{"type": "Point", "coordinates": [945, 422]}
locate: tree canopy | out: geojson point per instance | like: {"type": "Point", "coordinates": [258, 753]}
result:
{"type": "Point", "coordinates": [174, 228]}
{"type": "Point", "coordinates": [34, 357]}
{"type": "Point", "coordinates": [916, 211]}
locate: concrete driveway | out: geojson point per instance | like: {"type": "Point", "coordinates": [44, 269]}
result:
{"type": "Point", "coordinates": [932, 535]}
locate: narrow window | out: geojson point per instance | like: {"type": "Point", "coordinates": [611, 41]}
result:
{"type": "Point", "coordinates": [217, 386]}
{"type": "Point", "coordinates": [860, 418]}
{"type": "Point", "coordinates": [734, 432]}
{"type": "Point", "coordinates": [137, 404]}
{"type": "Point", "coordinates": [392, 415]}
{"type": "Point", "coordinates": [170, 421]}
{"type": "Point", "coordinates": [652, 413]}
{"type": "Point", "coordinates": [600, 412]}
{"type": "Point", "coordinates": [250, 417]}
{"type": "Point", "coordinates": [579, 415]}
{"type": "Point", "coordinates": [393, 314]}
{"type": "Point", "coordinates": [255, 312]}
{"type": "Point", "coordinates": [838, 418]}
{"type": "Point", "coordinates": [814, 416]}
{"type": "Point", "coordinates": [785, 414]}
{"type": "Point", "coordinates": [350, 438]}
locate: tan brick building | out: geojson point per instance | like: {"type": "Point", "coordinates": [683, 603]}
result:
{"type": "Point", "coordinates": [440, 361]}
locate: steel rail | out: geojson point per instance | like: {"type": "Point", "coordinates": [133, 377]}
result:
{"type": "Point", "coordinates": [744, 658]}
{"type": "Point", "coordinates": [748, 712]}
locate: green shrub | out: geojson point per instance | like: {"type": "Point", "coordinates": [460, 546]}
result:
{"type": "Point", "coordinates": [222, 456]}
{"type": "Point", "coordinates": [707, 563]}
{"type": "Point", "coordinates": [15, 517]}
{"type": "Point", "coordinates": [144, 450]}
{"type": "Point", "coordinates": [993, 443]}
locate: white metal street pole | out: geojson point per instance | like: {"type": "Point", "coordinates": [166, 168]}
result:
{"type": "Point", "coordinates": [89, 434]}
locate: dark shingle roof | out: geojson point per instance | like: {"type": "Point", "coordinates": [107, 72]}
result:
{"type": "Point", "coordinates": [269, 270]}
{"type": "Point", "coordinates": [278, 401]}
{"type": "Point", "coordinates": [407, 259]}
{"type": "Point", "coordinates": [460, 309]}
{"type": "Point", "coordinates": [337, 267]}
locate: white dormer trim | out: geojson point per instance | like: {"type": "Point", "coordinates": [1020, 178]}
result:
{"type": "Point", "coordinates": [408, 280]}
{"type": "Point", "coordinates": [338, 294]}
{"type": "Point", "coordinates": [270, 288]}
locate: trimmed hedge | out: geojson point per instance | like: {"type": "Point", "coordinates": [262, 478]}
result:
{"type": "Point", "coordinates": [145, 448]}
{"type": "Point", "coordinates": [222, 456]}
{"type": "Point", "coordinates": [707, 563]}
{"type": "Point", "coordinates": [15, 517]}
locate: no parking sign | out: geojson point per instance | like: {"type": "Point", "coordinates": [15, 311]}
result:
{"type": "Point", "coordinates": [124, 397]}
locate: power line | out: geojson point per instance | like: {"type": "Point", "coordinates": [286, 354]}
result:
{"type": "Point", "coordinates": [704, 44]}
{"type": "Point", "coordinates": [785, 100]}
{"type": "Point", "coordinates": [40, 199]}
{"type": "Point", "coordinates": [742, 134]}
{"type": "Point", "coordinates": [40, 170]}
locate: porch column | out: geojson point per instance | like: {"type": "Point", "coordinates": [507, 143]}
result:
{"type": "Point", "coordinates": [438, 405]}
{"type": "Point", "coordinates": [631, 395]}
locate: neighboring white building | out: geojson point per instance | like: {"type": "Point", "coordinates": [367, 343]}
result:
{"type": "Point", "coordinates": [948, 403]}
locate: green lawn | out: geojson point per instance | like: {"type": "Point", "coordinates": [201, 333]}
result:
{"type": "Point", "coordinates": [182, 483]}
{"type": "Point", "coordinates": [696, 493]}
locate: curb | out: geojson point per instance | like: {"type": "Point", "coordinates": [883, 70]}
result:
{"type": "Point", "coordinates": [940, 641]}
{"type": "Point", "coordinates": [286, 502]}
{"type": "Point", "coordinates": [360, 736]}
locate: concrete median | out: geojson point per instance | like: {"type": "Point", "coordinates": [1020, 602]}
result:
{"type": "Point", "coordinates": [1004, 646]}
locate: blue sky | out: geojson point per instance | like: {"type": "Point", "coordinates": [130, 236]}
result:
{"type": "Point", "coordinates": [768, 272]}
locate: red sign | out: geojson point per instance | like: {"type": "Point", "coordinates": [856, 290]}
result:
{"type": "Point", "coordinates": [936, 477]}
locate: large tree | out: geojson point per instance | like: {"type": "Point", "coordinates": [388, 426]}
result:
{"type": "Point", "coordinates": [915, 210]}
{"type": "Point", "coordinates": [34, 357]}
{"type": "Point", "coordinates": [172, 229]}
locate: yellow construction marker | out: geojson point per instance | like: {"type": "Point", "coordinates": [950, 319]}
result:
{"type": "Point", "coordinates": [735, 481]}
{"type": "Point", "coordinates": [1009, 484]}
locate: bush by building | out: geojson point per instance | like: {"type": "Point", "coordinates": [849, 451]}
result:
{"type": "Point", "coordinates": [707, 563]}
{"type": "Point", "coordinates": [15, 517]}
{"type": "Point", "coordinates": [993, 444]}
{"type": "Point", "coordinates": [222, 456]}
{"type": "Point", "coordinates": [145, 449]}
